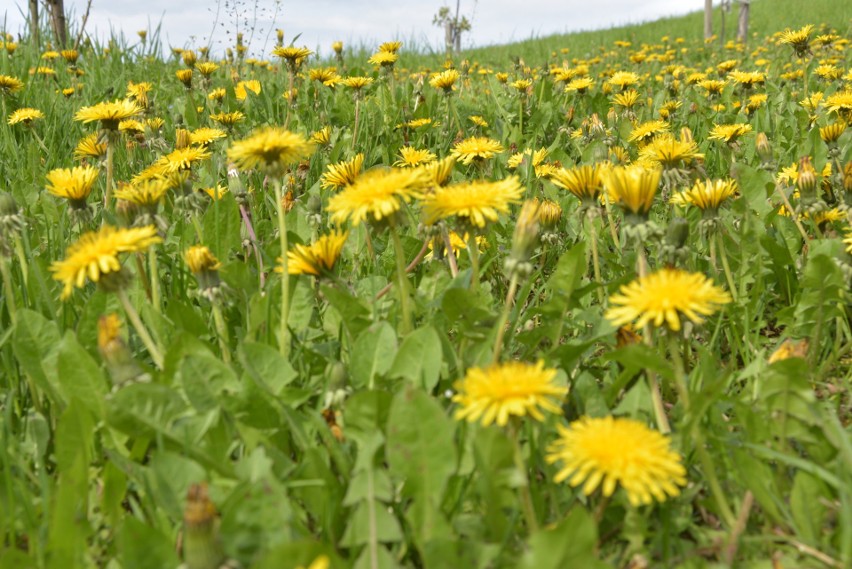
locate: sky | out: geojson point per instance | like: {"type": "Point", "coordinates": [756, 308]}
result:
{"type": "Point", "coordinates": [369, 22]}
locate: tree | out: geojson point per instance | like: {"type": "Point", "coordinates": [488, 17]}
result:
{"type": "Point", "coordinates": [742, 23]}
{"type": "Point", "coordinates": [453, 27]}
{"type": "Point", "coordinates": [57, 21]}
{"type": "Point", "coordinates": [34, 22]}
{"type": "Point", "coordinates": [708, 19]}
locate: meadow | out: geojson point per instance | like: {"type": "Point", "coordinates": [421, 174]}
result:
{"type": "Point", "coordinates": [582, 301]}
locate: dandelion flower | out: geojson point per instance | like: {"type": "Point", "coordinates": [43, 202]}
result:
{"type": "Point", "coordinates": [633, 187]}
{"type": "Point", "coordinates": [476, 202]}
{"type": "Point", "coordinates": [646, 132]}
{"type": "Point", "coordinates": [95, 255]}
{"type": "Point", "coordinates": [607, 452]}
{"type": "Point", "coordinates": [582, 181]}
{"type": "Point", "coordinates": [201, 260]}
{"type": "Point", "coordinates": [708, 195]}
{"type": "Point", "coordinates": [90, 146]}
{"type": "Point", "coordinates": [109, 113]}
{"type": "Point", "coordinates": [383, 58]}
{"type": "Point", "coordinates": [410, 157]}
{"type": "Point", "coordinates": [228, 119]}
{"type": "Point", "coordinates": [664, 297]}
{"type": "Point", "coordinates": [356, 82]}
{"type": "Point", "coordinates": [317, 259]}
{"type": "Point", "coordinates": [495, 393]}
{"type": "Point", "coordinates": [147, 193]}
{"type": "Point", "coordinates": [9, 84]}
{"type": "Point", "coordinates": [669, 152]}
{"type": "Point", "coordinates": [377, 195]}
{"type": "Point", "coordinates": [74, 184]}
{"type": "Point", "coordinates": [446, 80]}
{"type": "Point", "coordinates": [729, 133]}
{"type": "Point", "coordinates": [439, 172]}
{"type": "Point", "coordinates": [25, 116]}
{"type": "Point", "coordinates": [799, 40]}
{"type": "Point", "coordinates": [270, 148]}
{"type": "Point", "coordinates": [476, 148]}
{"type": "Point", "coordinates": [343, 173]}
{"type": "Point", "coordinates": [205, 136]}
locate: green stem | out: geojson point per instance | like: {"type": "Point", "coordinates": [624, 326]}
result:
{"type": "Point", "coordinates": [284, 333]}
{"type": "Point", "coordinates": [155, 280]}
{"type": "Point", "coordinates": [504, 317]}
{"type": "Point", "coordinates": [133, 316]}
{"type": "Point", "coordinates": [609, 221]}
{"type": "Point", "coordinates": [596, 263]}
{"type": "Point", "coordinates": [473, 251]}
{"type": "Point", "coordinates": [8, 291]}
{"type": "Point", "coordinates": [723, 254]}
{"type": "Point", "coordinates": [451, 255]}
{"type": "Point", "coordinates": [521, 115]}
{"type": "Point", "coordinates": [221, 332]}
{"type": "Point", "coordinates": [110, 151]}
{"type": "Point", "coordinates": [404, 299]}
{"type": "Point", "coordinates": [357, 120]}
{"type": "Point", "coordinates": [524, 495]}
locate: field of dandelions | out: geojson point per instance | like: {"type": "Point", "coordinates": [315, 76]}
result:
{"type": "Point", "coordinates": [586, 311]}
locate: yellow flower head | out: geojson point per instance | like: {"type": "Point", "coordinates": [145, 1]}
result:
{"type": "Point", "coordinates": [9, 85]}
{"type": "Point", "coordinates": [383, 58]}
{"type": "Point", "coordinates": [708, 195]}
{"type": "Point", "coordinates": [410, 157]}
{"type": "Point", "coordinates": [95, 255]}
{"type": "Point", "coordinates": [848, 241]}
{"type": "Point", "coordinates": [242, 89]}
{"type": "Point", "coordinates": [343, 173]}
{"type": "Point", "coordinates": [663, 297]}
{"type": "Point", "coordinates": [580, 85]}
{"type": "Point", "coordinates": [291, 54]}
{"type": "Point", "coordinates": [205, 136]}
{"type": "Point", "coordinates": [145, 193]}
{"type": "Point", "coordinates": [606, 452]}
{"type": "Point", "coordinates": [495, 393]}
{"type": "Point", "coordinates": [438, 172]}
{"type": "Point", "coordinates": [583, 181]}
{"type": "Point", "coordinates": [390, 46]}
{"type": "Point", "coordinates": [271, 149]}
{"type": "Point", "coordinates": [475, 148]}
{"type": "Point", "coordinates": [317, 259]}
{"type": "Point", "coordinates": [729, 133]}
{"type": "Point", "coordinates": [669, 152]}
{"type": "Point", "coordinates": [646, 132]}
{"type": "Point", "coordinates": [633, 187]}
{"type": "Point", "coordinates": [228, 119]}
{"type": "Point", "coordinates": [185, 77]}
{"type": "Point", "coordinates": [201, 260]}
{"type": "Point", "coordinates": [475, 202]}
{"type": "Point", "coordinates": [626, 100]}
{"type": "Point", "coordinates": [799, 40]}
{"type": "Point", "coordinates": [840, 103]}
{"type": "Point", "coordinates": [108, 113]}
{"type": "Point", "coordinates": [623, 79]}
{"type": "Point", "coordinates": [376, 195]}
{"type": "Point", "coordinates": [182, 159]}
{"type": "Point", "coordinates": [206, 68]}
{"type": "Point", "coordinates": [25, 116]}
{"type": "Point", "coordinates": [322, 74]}
{"type": "Point", "coordinates": [74, 184]}
{"type": "Point", "coordinates": [356, 82]}
{"type": "Point", "coordinates": [322, 137]}
{"type": "Point", "coordinates": [90, 146]}
{"type": "Point", "coordinates": [445, 80]}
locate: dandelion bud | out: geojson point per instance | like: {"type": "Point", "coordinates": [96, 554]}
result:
{"type": "Point", "coordinates": [70, 56]}
{"type": "Point", "coordinates": [337, 47]}
{"type": "Point", "coordinates": [185, 77]}
{"type": "Point", "coordinates": [807, 181]}
{"type": "Point", "coordinates": [677, 232]}
{"type": "Point", "coordinates": [189, 58]}
{"type": "Point", "coordinates": [143, 35]}
{"type": "Point", "coordinates": [524, 239]}
{"type": "Point", "coordinates": [279, 35]}
{"type": "Point", "coordinates": [686, 135]}
{"type": "Point", "coordinates": [847, 177]}
{"type": "Point", "coordinates": [119, 361]}
{"type": "Point", "coordinates": [764, 150]}
{"type": "Point", "coordinates": [205, 266]}
{"type": "Point", "coordinates": [549, 213]}
{"type": "Point", "coordinates": [182, 138]}
{"type": "Point", "coordinates": [202, 548]}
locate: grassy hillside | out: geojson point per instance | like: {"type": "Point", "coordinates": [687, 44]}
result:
{"type": "Point", "coordinates": [767, 17]}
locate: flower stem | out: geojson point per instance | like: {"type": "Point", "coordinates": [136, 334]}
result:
{"type": "Point", "coordinates": [155, 280]}
{"type": "Point", "coordinates": [723, 254]}
{"type": "Point", "coordinates": [110, 152]}
{"type": "Point", "coordinates": [524, 495]}
{"type": "Point", "coordinates": [284, 333]}
{"type": "Point", "coordinates": [8, 291]}
{"type": "Point", "coordinates": [221, 332]}
{"type": "Point", "coordinates": [357, 117]}
{"type": "Point", "coordinates": [611, 223]}
{"type": "Point", "coordinates": [473, 251]}
{"type": "Point", "coordinates": [451, 255]}
{"type": "Point", "coordinates": [404, 299]}
{"type": "Point", "coordinates": [133, 316]}
{"type": "Point", "coordinates": [504, 317]}
{"type": "Point", "coordinates": [596, 263]}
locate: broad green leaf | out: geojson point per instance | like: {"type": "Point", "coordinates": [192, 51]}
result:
{"type": "Point", "coordinates": [571, 543]}
{"type": "Point", "coordinates": [371, 521]}
{"type": "Point", "coordinates": [205, 380]}
{"type": "Point", "coordinates": [419, 358]}
{"type": "Point", "coordinates": [80, 375]}
{"type": "Point", "coordinates": [372, 355]}
{"type": "Point", "coordinates": [140, 546]}
{"type": "Point", "coordinates": [34, 343]}
{"type": "Point", "coordinates": [267, 365]}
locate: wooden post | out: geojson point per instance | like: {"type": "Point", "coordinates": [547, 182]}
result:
{"type": "Point", "coordinates": [34, 30]}
{"type": "Point", "coordinates": [708, 19]}
{"type": "Point", "coordinates": [742, 22]}
{"type": "Point", "coordinates": [57, 21]}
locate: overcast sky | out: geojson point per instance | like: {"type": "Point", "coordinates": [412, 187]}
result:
{"type": "Point", "coordinates": [191, 23]}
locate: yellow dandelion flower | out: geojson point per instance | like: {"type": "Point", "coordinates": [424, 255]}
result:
{"type": "Point", "coordinates": [343, 173]}
{"type": "Point", "coordinates": [729, 133]}
{"type": "Point", "coordinates": [475, 202]}
{"type": "Point", "coordinates": [476, 148]}
{"type": "Point", "coordinates": [417, 123]}
{"type": "Point", "coordinates": [710, 194]}
{"type": "Point", "coordinates": [146, 193]}
{"type": "Point", "coordinates": [205, 136]}
{"type": "Point", "coordinates": [131, 126]}
{"type": "Point", "coordinates": [9, 84]}
{"type": "Point", "coordinates": [182, 159]}
{"type": "Point", "coordinates": [201, 260]}
{"type": "Point", "coordinates": [669, 152]}
{"type": "Point", "coordinates": [840, 103]}
{"type": "Point", "coordinates": [581, 85]}
{"type": "Point", "coordinates": [109, 114]}
{"type": "Point", "coordinates": [291, 54]}
{"type": "Point", "coordinates": [217, 94]}
{"type": "Point", "coordinates": [95, 255]}
{"type": "Point", "coordinates": [633, 187]}
{"type": "Point", "coordinates": [626, 100]}
{"type": "Point", "coordinates": [317, 259]}
{"type": "Point", "coordinates": [478, 121]}
{"type": "Point", "coordinates": [623, 79]}
{"type": "Point", "coordinates": [664, 297]}
{"type": "Point", "coordinates": [583, 181]}
{"type": "Point", "coordinates": [90, 146]}
{"type": "Point", "coordinates": [73, 184]}
{"type": "Point", "coordinates": [356, 82]}
{"type": "Point", "coordinates": [206, 68]}
{"type": "Point", "coordinates": [848, 241]}
{"type": "Point", "coordinates": [646, 131]}
{"type": "Point", "coordinates": [242, 89]}
{"type": "Point", "coordinates": [228, 119]}
{"type": "Point", "coordinates": [500, 391]}
{"type": "Point", "coordinates": [383, 58]}
{"type": "Point", "coordinates": [446, 80]}
{"type": "Point", "coordinates": [376, 195]}
{"type": "Point", "coordinates": [438, 172]}
{"type": "Point", "coordinates": [747, 79]}
{"type": "Point", "coordinates": [714, 87]}
{"type": "Point", "coordinates": [607, 452]}
{"type": "Point", "coordinates": [390, 46]}
{"type": "Point", "coordinates": [270, 148]}
{"type": "Point", "coordinates": [25, 116]}
{"type": "Point", "coordinates": [410, 157]}
{"type": "Point", "coordinates": [799, 40]}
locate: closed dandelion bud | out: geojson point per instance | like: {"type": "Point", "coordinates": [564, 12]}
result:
{"type": "Point", "coordinates": [524, 239]}
{"type": "Point", "coordinates": [185, 77]}
{"type": "Point", "coordinates": [549, 213]}
{"type": "Point", "coordinates": [288, 201]}
{"type": "Point", "coordinates": [807, 181]}
{"type": "Point", "coordinates": [182, 138]}
{"type": "Point", "coordinates": [279, 35]}
{"type": "Point", "coordinates": [764, 150]}
{"type": "Point", "coordinates": [674, 246]}
{"type": "Point", "coordinates": [205, 266]}
{"type": "Point", "coordinates": [114, 351]}
{"type": "Point", "coordinates": [337, 47]}
{"type": "Point", "coordinates": [314, 204]}
{"type": "Point", "coordinates": [189, 58]}
{"type": "Point", "coordinates": [847, 178]}
{"type": "Point", "coordinates": [70, 56]}
{"type": "Point", "coordinates": [202, 548]}
{"type": "Point", "coordinates": [686, 135]}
